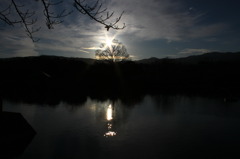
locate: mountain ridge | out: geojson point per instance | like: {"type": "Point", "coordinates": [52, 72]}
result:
{"type": "Point", "coordinates": [207, 57]}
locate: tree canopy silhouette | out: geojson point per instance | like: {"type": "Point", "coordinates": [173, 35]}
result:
{"type": "Point", "coordinates": [115, 51]}
{"type": "Point", "coordinates": [15, 12]}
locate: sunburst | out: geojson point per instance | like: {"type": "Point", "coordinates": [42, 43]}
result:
{"type": "Point", "coordinates": [108, 42]}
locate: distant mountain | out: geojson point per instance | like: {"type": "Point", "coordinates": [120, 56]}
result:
{"type": "Point", "coordinates": [148, 61]}
{"type": "Point", "coordinates": [194, 59]}
{"type": "Point", "coordinates": [211, 57]}
{"type": "Point", "coordinates": [207, 57]}
{"type": "Point", "coordinates": [48, 58]}
{"type": "Point", "coordinates": [73, 59]}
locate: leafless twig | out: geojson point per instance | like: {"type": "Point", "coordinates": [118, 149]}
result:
{"type": "Point", "coordinates": [51, 18]}
{"type": "Point", "coordinates": [99, 14]}
{"type": "Point", "coordinates": [27, 21]}
{"type": "Point", "coordinates": [4, 16]}
{"type": "Point", "coordinates": [16, 13]}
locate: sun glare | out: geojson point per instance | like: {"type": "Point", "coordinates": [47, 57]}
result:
{"type": "Point", "coordinates": [108, 42]}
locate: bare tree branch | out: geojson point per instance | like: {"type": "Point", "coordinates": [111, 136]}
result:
{"type": "Point", "coordinates": [16, 13]}
{"type": "Point", "coordinates": [96, 13]}
{"type": "Point", "coordinates": [26, 21]}
{"type": "Point", "coordinates": [51, 18]}
{"type": "Point", "coordinates": [4, 16]}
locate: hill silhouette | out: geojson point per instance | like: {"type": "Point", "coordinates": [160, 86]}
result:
{"type": "Point", "coordinates": [194, 59]}
{"type": "Point", "coordinates": [61, 77]}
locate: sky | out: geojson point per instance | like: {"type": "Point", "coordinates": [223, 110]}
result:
{"type": "Point", "coordinates": [154, 28]}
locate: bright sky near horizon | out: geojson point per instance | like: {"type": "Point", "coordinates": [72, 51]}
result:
{"type": "Point", "coordinates": [154, 28]}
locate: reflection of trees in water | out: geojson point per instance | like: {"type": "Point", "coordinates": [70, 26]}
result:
{"type": "Point", "coordinates": [171, 103]}
{"type": "Point", "coordinates": [166, 103]}
{"type": "Point", "coordinates": [183, 104]}
{"type": "Point", "coordinates": [74, 98]}
{"type": "Point", "coordinates": [132, 100]}
{"type": "Point", "coordinates": [0, 103]}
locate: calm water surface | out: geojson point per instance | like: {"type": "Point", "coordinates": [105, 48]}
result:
{"type": "Point", "coordinates": [156, 127]}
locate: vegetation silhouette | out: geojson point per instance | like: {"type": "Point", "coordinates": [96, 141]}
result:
{"type": "Point", "coordinates": [112, 50]}
{"type": "Point", "coordinates": [51, 79]}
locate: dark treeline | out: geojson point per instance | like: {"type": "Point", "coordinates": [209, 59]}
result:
{"type": "Point", "coordinates": [74, 79]}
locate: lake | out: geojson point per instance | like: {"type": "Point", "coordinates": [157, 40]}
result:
{"type": "Point", "coordinates": [161, 126]}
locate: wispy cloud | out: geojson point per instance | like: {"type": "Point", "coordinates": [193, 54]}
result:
{"type": "Point", "coordinates": [155, 20]}
{"type": "Point", "coordinates": [84, 51]}
{"type": "Point", "coordinates": [76, 38]}
{"type": "Point", "coordinates": [14, 43]}
{"type": "Point", "coordinates": [206, 31]}
{"type": "Point", "coordinates": [194, 51]}
{"type": "Point", "coordinates": [163, 19]}
{"type": "Point", "coordinates": [91, 48]}
{"type": "Point", "coordinates": [75, 33]}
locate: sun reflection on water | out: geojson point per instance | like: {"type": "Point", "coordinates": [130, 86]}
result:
{"type": "Point", "coordinates": [109, 117]}
{"type": "Point", "coordinates": [110, 133]}
{"type": "Point", "coordinates": [109, 113]}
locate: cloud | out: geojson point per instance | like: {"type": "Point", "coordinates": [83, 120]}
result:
{"type": "Point", "coordinates": [69, 38]}
{"type": "Point", "coordinates": [72, 38]}
{"type": "Point", "coordinates": [75, 33]}
{"type": "Point", "coordinates": [14, 43]}
{"type": "Point", "coordinates": [163, 19]}
{"type": "Point", "coordinates": [150, 19]}
{"type": "Point", "coordinates": [194, 51]}
{"type": "Point", "coordinates": [79, 36]}
{"type": "Point", "coordinates": [206, 30]}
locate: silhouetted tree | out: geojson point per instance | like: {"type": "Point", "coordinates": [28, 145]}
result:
{"type": "Point", "coordinates": [115, 51]}
{"type": "Point", "coordinates": [14, 12]}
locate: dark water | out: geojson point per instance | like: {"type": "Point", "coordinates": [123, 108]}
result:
{"type": "Point", "coordinates": [156, 127]}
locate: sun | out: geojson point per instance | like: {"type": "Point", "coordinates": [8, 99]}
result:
{"type": "Point", "coordinates": [109, 42]}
